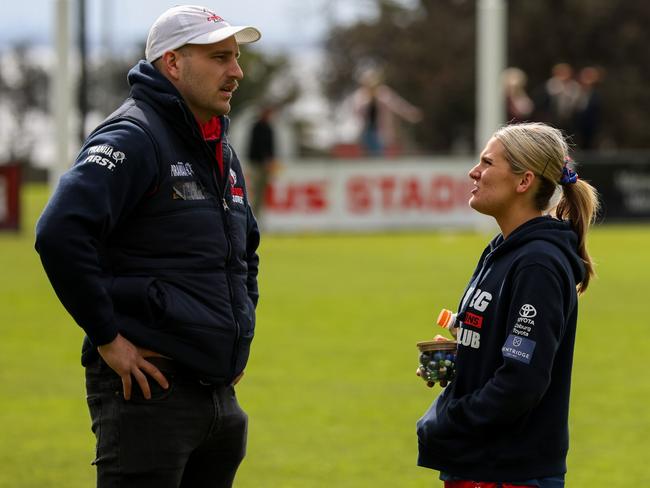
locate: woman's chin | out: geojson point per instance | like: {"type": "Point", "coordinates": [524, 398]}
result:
{"type": "Point", "coordinates": [476, 205]}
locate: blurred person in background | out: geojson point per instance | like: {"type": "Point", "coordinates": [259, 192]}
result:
{"type": "Point", "coordinates": [519, 106]}
{"type": "Point", "coordinates": [377, 107]}
{"type": "Point", "coordinates": [503, 420]}
{"type": "Point", "coordinates": [150, 244]}
{"type": "Point", "coordinates": [588, 110]}
{"type": "Point", "coordinates": [261, 156]}
{"type": "Point", "coordinates": [559, 98]}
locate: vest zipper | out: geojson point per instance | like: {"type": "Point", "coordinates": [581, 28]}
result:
{"type": "Point", "coordinates": [225, 209]}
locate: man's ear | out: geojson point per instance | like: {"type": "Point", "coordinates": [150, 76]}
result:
{"type": "Point", "coordinates": [526, 181]}
{"type": "Point", "coordinates": [170, 64]}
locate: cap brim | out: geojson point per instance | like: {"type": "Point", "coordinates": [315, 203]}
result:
{"type": "Point", "coordinates": [244, 34]}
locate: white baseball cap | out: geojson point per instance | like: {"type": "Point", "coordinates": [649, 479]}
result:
{"type": "Point", "coordinates": [192, 24]}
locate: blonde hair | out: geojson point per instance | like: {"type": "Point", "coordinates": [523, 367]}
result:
{"type": "Point", "coordinates": [544, 150]}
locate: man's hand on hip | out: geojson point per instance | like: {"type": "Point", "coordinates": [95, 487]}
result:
{"type": "Point", "coordinates": [126, 359]}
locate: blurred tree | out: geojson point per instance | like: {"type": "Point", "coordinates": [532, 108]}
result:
{"type": "Point", "coordinates": [427, 53]}
{"type": "Point", "coordinates": [612, 36]}
{"type": "Point", "coordinates": [107, 84]}
{"type": "Point", "coordinates": [24, 92]}
{"type": "Point", "coordinates": [266, 80]}
{"type": "Point", "coordinates": [108, 80]}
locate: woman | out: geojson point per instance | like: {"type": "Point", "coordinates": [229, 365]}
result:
{"type": "Point", "coordinates": [503, 421]}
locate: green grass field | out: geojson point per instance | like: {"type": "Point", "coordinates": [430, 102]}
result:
{"type": "Point", "coordinates": [330, 388]}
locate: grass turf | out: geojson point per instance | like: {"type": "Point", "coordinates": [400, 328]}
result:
{"type": "Point", "coordinates": [330, 388]}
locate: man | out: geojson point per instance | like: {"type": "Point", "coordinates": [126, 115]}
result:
{"type": "Point", "coordinates": [150, 244]}
{"type": "Point", "coordinates": [261, 155]}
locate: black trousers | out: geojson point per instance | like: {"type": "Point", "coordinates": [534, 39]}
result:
{"type": "Point", "coordinates": [190, 435]}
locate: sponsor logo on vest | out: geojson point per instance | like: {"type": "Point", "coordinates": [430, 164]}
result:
{"type": "Point", "coordinates": [104, 149]}
{"type": "Point", "coordinates": [105, 155]}
{"type": "Point", "coordinates": [119, 156]}
{"type": "Point", "coordinates": [236, 192]}
{"type": "Point", "coordinates": [237, 195]}
{"type": "Point", "coordinates": [181, 169]}
{"type": "Point", "coordinates": [187, 190]}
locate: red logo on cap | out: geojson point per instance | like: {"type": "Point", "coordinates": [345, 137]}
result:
{"type": "Point", "coordinates": [215, 18]}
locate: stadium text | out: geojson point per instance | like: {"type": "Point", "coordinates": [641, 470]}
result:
{"type": "Point", "coordinates": [366, 194]}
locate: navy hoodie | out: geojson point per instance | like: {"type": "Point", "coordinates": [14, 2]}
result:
{"type": "Point", "coordinates": [505, 416]}
{"type": "Point", "coordinates": [144, 236]}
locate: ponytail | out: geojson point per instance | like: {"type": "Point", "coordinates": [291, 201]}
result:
{"type": "Point", "coordinates": [579, 205]}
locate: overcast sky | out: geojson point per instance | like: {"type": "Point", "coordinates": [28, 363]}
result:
{"type": "Point", "coordinates": [284, 23]}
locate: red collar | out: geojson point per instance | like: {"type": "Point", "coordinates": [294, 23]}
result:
{"type": "Point", "coordinates": [211, 130]}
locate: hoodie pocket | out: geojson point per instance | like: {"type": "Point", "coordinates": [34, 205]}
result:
{"type": "Point", "coordinates": [427, 424]}
{"type": "Point", "coordinates": [140, 297]}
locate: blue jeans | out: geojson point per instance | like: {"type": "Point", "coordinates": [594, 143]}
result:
{"type": "Point", "coordinates": [372, 143]}
{"type": "Point", "coordinates": [190, 435]}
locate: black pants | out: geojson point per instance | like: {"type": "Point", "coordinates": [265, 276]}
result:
{"type": "Point", "coordinates": [190, 435]}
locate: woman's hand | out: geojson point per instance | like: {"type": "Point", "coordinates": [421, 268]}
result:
{"type": "Point", "coordinates": [420, 372]}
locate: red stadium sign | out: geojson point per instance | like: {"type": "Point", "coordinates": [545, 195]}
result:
{"type": "Point", "coordinates": [375, 195]}
{"type": "Point", "coordinates": [9, 197]}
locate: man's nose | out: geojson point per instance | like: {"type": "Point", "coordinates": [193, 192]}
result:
{"type": "Point", "coordinates": [236, 71]}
